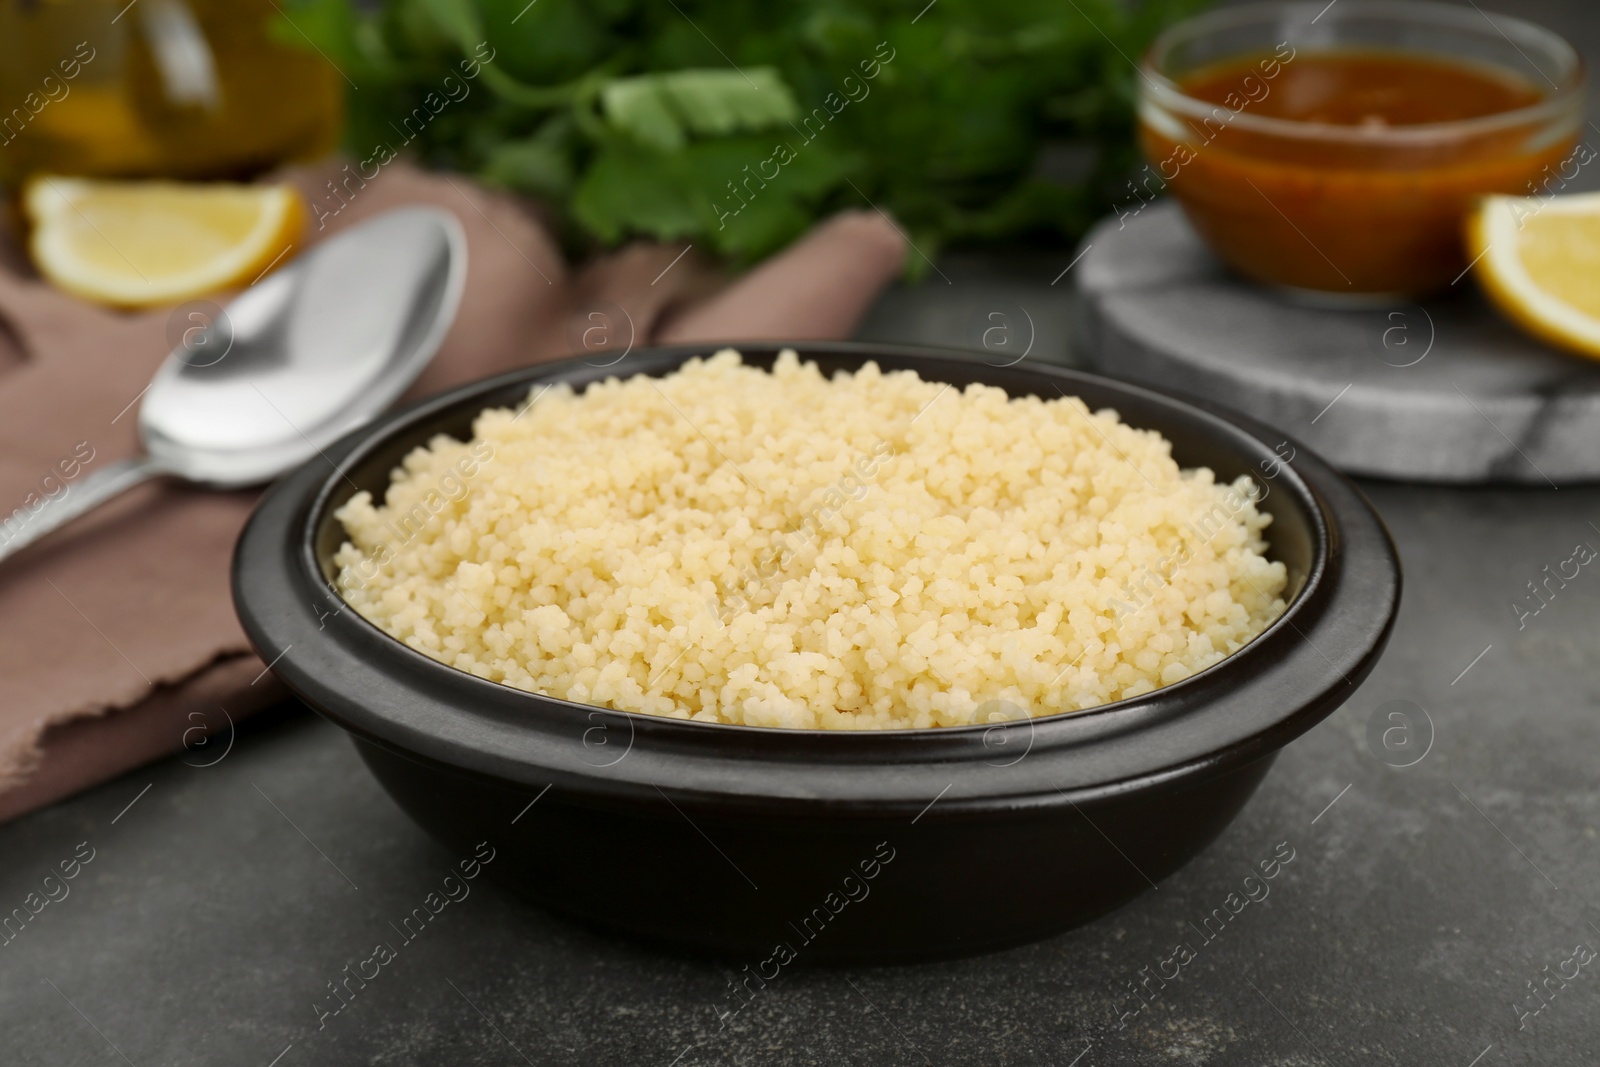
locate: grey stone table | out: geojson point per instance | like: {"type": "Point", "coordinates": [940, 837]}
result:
{"type": "Point", "coordinates": [221, 899]}
{"type": "Point", "coordinates": [1420, 902]}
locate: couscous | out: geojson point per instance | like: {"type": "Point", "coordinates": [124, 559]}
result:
{"type": "Point", "coordinates": [863, 551]}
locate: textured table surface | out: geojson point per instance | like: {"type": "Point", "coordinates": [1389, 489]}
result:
{"type": "Point", "coordinates": [1422, 900]}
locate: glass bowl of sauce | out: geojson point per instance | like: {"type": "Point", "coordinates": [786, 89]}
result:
{"type": "Point", "coordinates": [1337, 148]}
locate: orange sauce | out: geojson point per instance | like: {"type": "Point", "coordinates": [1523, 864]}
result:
{"type": "Point", "coordinates": [1371, 89]}
{"type": "Point", "coordinates": [1357, 213]}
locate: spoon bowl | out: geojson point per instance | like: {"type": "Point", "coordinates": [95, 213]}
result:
{"type": "Point", "coordinates": [292, 364]}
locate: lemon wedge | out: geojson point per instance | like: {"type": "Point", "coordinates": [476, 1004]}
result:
{"type": "Point", "coordinates": [1539, 261]}
{"type": "Point", "coordinates": [137, 243]}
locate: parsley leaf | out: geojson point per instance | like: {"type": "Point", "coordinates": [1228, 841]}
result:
{"type": "Point", "coordinates": [736, 123]}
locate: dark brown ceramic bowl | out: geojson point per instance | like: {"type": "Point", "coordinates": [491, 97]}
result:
{"type": "Point", "coordinates": [856, 846]}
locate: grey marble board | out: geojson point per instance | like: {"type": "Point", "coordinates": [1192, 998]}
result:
{"type": "Point", "coordinates": [1444, 391]}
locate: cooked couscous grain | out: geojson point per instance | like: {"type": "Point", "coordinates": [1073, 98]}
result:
{"type": "Point", "coordinates": [866, 551]}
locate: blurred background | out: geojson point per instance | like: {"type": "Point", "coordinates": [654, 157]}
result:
{"type": "Point", "coordinates": [625, 117]}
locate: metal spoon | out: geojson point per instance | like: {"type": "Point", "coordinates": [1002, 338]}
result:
{"type": "Point", "coordinates": [290, 366]}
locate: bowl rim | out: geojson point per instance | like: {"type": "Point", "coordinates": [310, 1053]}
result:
{"type": "Point", "coordinates": [1156, 88]}
{"type": "Point", "coordinates": [487, 727]}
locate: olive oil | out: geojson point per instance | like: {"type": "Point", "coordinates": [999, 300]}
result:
{"type": "Point", "coordinates": [191, 89]}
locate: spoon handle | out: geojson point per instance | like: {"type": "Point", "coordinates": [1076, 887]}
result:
{"type": "Point", "coordinates": [27, 525]}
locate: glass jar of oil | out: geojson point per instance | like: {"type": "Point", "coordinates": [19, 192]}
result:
{"type": "Point", "coordinates": [191, 89]}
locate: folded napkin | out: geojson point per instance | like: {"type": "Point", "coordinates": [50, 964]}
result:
{"type": "Point", "coordinates": [118, 642]}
